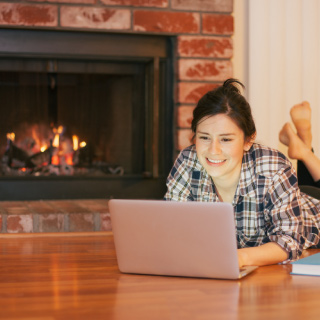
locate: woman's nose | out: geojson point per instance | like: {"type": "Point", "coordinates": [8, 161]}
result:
{"type": "Point", "coordinates": [215, 147]}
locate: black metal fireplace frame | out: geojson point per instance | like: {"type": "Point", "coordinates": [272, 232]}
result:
{"type": "Point", "coordinates": [157, 54]}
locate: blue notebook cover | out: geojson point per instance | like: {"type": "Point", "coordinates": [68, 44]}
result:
{"type": "Point", "coordinates": [307, 266]}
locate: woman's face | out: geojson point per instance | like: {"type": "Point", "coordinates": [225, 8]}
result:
{"type": "Point", "coordinates": [220, 145]}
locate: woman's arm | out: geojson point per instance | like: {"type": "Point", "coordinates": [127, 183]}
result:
{"type": "Point", "coordinates": [269, 253]}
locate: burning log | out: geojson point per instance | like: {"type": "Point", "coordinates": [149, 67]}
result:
{"type": "Point", "coordinates": [59, 155]}
{"type": "Point", "coordinates": [40, 159]}
{"type": "Point", "coordinates": [14, 153]}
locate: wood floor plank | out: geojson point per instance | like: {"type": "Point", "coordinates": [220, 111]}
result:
{"type": "Point", "coordinates": [76, 277]}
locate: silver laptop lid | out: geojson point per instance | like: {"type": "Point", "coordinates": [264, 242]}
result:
{"type": "Point", "coordinates": [192, 239]}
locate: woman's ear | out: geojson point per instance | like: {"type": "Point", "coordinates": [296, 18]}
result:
{"type": "Point", "coordinates": [249, 142]}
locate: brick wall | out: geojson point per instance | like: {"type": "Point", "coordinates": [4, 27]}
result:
{"type": "Point", "coordinates": [54, 216]}
{"type": "Point", "coordinates": [203, 30]}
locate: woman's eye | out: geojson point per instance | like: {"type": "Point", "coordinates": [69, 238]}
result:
{"type": "Point", "coordinates": [203, 138]}
{"type": "Point", "coordinates": [226, 139]}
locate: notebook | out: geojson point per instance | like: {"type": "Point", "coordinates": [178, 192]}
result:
{"type": "Point", "coordinates": [170, 238]}
{"type": "Point", "coordinates": [307, 266]}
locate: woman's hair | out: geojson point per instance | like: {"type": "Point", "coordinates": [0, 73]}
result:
{"type": "Point", "coordinates": [228, 100]}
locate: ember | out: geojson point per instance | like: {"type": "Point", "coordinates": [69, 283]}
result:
{"type": "Point", "coordinates": [37, 150]}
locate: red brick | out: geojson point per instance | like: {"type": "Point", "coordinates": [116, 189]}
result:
{"type": "Point", "coordinates": [105, 222]}
{"type": "Point", "coordinates": [137, 3]}
{"type": "Point", "coordinates": [184, 117]}
{"type": "Point", "coordinates": [95, 18]}
{"type": "Point", "coordinates": [203, 5]}
{"type": "Point", "coordinates": [20, 223]}
{"type": "Point", "coordinates": [190, 92]}
{"type": "Point", "coordinates": [172, 22]}
{"type": "Point", "coordinates": [81, 222]}
{"type": "Point", "coordinates": [184, 137]}
{"type": "Point", "coordinates": [28, 15]}
{"type": "Point", "coordinates": [51, 222]}
{"type": "Point", "coordinates": [204, 46]}
{"type": "Point", "coordinates": [217, 24]}
{"type": "Point", "coordinates": [205, 70]}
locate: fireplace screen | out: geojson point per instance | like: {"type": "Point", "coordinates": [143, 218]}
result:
{"type": "Point", "coordinates": [96, 117]}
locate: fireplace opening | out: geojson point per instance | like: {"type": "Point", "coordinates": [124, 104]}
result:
{"type": "Point", "coordinates": [84, 115]}
{"type": "Point", "coordinates": [64, 123]}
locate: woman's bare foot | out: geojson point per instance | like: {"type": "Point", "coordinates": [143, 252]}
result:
{"type": "Point", "coordinates": [301, 118]}
{"type": "Point", "coordinates": [283, 134]}
{"type": "Point", "coordinates": [297, 148]}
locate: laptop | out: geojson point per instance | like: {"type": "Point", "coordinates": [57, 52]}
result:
{"type": "Point", "coordinates": [170, 238]}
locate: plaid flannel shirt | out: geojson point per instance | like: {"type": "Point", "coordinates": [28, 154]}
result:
{"type": "Point", "coordinates": [268, 204]}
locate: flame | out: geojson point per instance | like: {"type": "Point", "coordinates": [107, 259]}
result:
{"type": "Point", "coordinates": [35, 136]}
{"type": "Point", "coordinates": [58, 130]}
{"type": "Point", "coordinates": [75, 141]}
{"type": "Point", "coordinates": [55, 160]}
{"type": "Point", "coordinates": [65, 147]}
{"type": "Point", "coordinates": [83, 144]}
{"type": "Point", "coordinates": [55, 142]}
{"type": "Point", "coordinates": [11, 136]}
{"type": "Point", "coordinates": [68, 159]}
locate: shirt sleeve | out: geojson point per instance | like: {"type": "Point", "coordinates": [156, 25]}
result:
{"type": "Point", "coordinates": [283, 210]}
{"type": "Point", "coordinates": [178, 181]}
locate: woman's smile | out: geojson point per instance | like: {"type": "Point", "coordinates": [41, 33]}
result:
{"type": "Point", "coordinates": [215, 162]}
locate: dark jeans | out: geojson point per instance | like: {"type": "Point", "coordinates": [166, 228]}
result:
{"type": "Point", "coordinates": [306, 182]}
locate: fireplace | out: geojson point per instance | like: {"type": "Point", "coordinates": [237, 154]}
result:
{"type": "Point", "coordinates": [84, 115]}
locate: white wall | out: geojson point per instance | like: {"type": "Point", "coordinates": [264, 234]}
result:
{"type": "Point", "coordinates": [277, 56]}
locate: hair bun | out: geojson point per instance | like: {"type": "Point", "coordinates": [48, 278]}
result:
{"type": "Point", "coordinates": [233, 85]}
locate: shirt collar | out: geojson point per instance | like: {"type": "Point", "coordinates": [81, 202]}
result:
{"type": "Point", "coordinates": [247, 185]}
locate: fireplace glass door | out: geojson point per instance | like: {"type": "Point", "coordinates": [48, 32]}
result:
{"type": "Point", "coordinates": [72, 118]}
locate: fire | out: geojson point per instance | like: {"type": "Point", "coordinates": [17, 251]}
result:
{"type": "Point", "coordinates": [55, 160]}
{"type": "Point", "coordinates": [11, 136]}
{"type": "Point", "coordinates": [76, 144]}
{"type": "Point", "coordinates": [55, 142]}
{"type": "Point", "coordinates": [68, 159]}
{"type": "Point", "coordinates": [83, 144]}
{"type": "Point", "coordinates": [48, 147]}
{"type": "Point", "coordinates": [58, 130]}
{"type": "Point", "coordinates": [75, 141]}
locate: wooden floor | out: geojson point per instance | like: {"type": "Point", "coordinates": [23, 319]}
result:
{"type": "Point", "coordinates": [76, 277]}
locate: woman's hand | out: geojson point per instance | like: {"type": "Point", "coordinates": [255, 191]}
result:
{"type": "Point", "coordinates": [241, 258]}
{"type": "Point", "coordinates": [269, 253]}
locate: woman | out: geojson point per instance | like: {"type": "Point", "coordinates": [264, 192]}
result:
{"type": "Point", "coordinates": [274, 222]}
